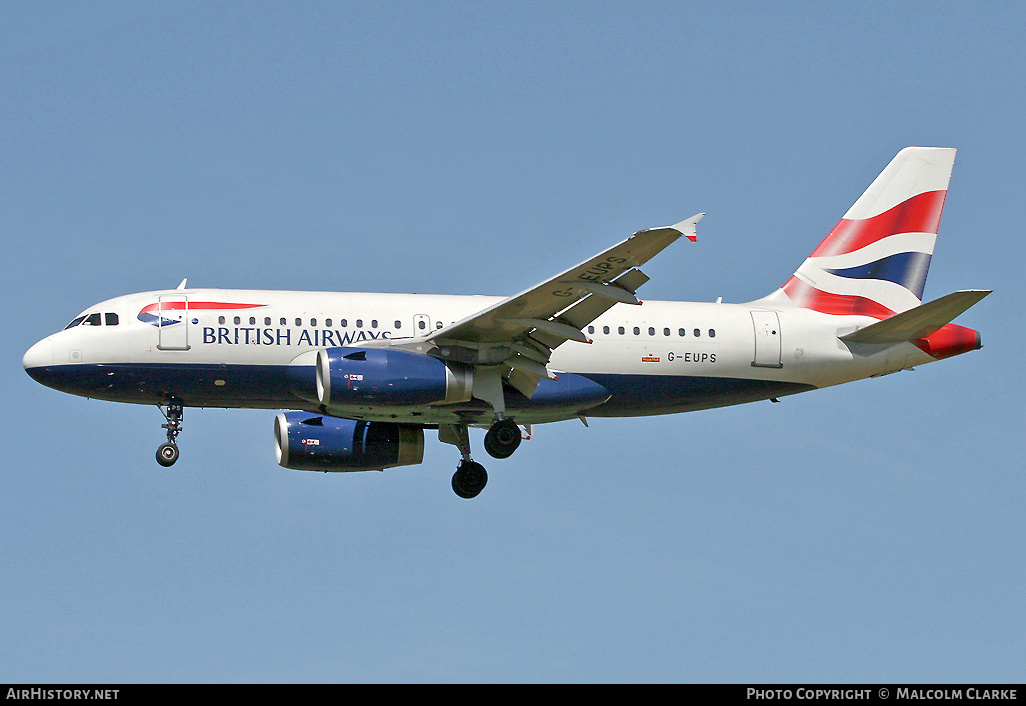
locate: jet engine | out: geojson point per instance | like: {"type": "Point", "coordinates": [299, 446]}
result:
{"type": "Point", "coordinates": [307, 442]}
{"type": "Point", "coordinates": [359, 376]}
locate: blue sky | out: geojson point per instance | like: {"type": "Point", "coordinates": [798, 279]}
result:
{"type": "Point", "coordinates": [870, 532]}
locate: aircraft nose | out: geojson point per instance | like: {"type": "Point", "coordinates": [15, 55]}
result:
{"type": "Point", "coordinates": [39, 355]}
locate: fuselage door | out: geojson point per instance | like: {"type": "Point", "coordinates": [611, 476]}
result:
{"type": "Point", "coordinates": [173, 326]}
{"type": "Point", "coordinates": [767, 339]}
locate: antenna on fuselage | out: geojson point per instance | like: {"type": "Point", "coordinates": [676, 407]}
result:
{"type": "Point", "coordinates": [182, 285]}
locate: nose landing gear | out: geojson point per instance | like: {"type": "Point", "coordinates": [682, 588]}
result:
{"type": "Point", "coordinates": [167, 453]}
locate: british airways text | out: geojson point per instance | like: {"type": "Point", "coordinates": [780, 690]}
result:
{"type": "Point", "coordinates": [255, 336]}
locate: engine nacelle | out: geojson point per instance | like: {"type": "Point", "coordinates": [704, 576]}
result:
{"type": "Point", "coordinates": [309, 442]}
{"type": "Point", "coordinates": [382, 376]}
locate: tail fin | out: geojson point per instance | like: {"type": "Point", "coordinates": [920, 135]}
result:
{"type": "Point", "coordinates": [874, 262]}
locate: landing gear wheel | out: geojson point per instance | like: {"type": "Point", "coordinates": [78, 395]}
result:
{"type": "Point", "coordinates": [469, 479]}
{"type": "Point", "coordinates": [167, 454]}
{"type": "Point", "coordinates": [502, 439]}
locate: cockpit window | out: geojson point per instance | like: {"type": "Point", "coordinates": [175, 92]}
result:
{"type": "Point", "coordinates": [109, 318]}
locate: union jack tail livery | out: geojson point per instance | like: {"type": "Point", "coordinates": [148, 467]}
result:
{"type": "Point", "coordinates": [874, 261]}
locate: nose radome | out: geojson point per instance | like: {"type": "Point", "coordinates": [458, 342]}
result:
{"type": "Point", "coordinates": [39, 355]}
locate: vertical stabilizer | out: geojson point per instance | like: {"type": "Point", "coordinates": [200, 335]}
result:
{"type": "Point", "coordinates": [874, 262]}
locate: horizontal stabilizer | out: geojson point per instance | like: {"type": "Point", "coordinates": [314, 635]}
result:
{"type": "Point", "coordinates": [920, 322]}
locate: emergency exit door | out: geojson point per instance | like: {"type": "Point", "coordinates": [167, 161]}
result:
{"type": "Point", "coordinates": [767, 339]}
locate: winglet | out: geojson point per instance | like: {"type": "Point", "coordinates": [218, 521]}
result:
{"type": "Point", "coordinates": [688, 228]}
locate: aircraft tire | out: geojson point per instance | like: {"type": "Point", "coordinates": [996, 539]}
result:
{"type": "Point", "coordinates": [167, 454]}
{"type": "Point", "coordinates": [502, 439]}
{"type": "Point", "coordinates": [469, 479]}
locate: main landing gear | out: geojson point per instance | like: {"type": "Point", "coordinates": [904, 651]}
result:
{"type": "Point", "coordinates": [501, 441]}
{"type": "Point", "coordinates": [167, 453]}
{"type": "Point", "coordinates": [469, 479]}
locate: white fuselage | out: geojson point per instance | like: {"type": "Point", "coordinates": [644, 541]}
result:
{"type": "Point", "coordinates": [242, 348]}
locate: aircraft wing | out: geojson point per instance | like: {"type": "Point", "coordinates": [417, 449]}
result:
{"type": "Point", "coordinates": [526, 327]}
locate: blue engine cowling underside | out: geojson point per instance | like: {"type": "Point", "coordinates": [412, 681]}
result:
{"type": "Point", "coordinates": [348, 376]}
{"type": "Point", "coordinates": [308, 442]}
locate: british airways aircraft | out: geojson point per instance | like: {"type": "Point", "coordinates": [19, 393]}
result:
{"type": "Point", "coordinates": [364, 375]}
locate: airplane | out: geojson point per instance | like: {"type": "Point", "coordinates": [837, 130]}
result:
{"type": "Point", "coordinates": [361, 376]}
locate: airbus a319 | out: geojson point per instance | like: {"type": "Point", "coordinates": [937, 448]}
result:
{"type": "Point", "coordinates": [361, 376]}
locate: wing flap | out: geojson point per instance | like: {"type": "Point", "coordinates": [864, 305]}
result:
{"type": "Point", "coordinates": [590, 308]}
{"type": "Point", "coordinates": [556, 328]}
